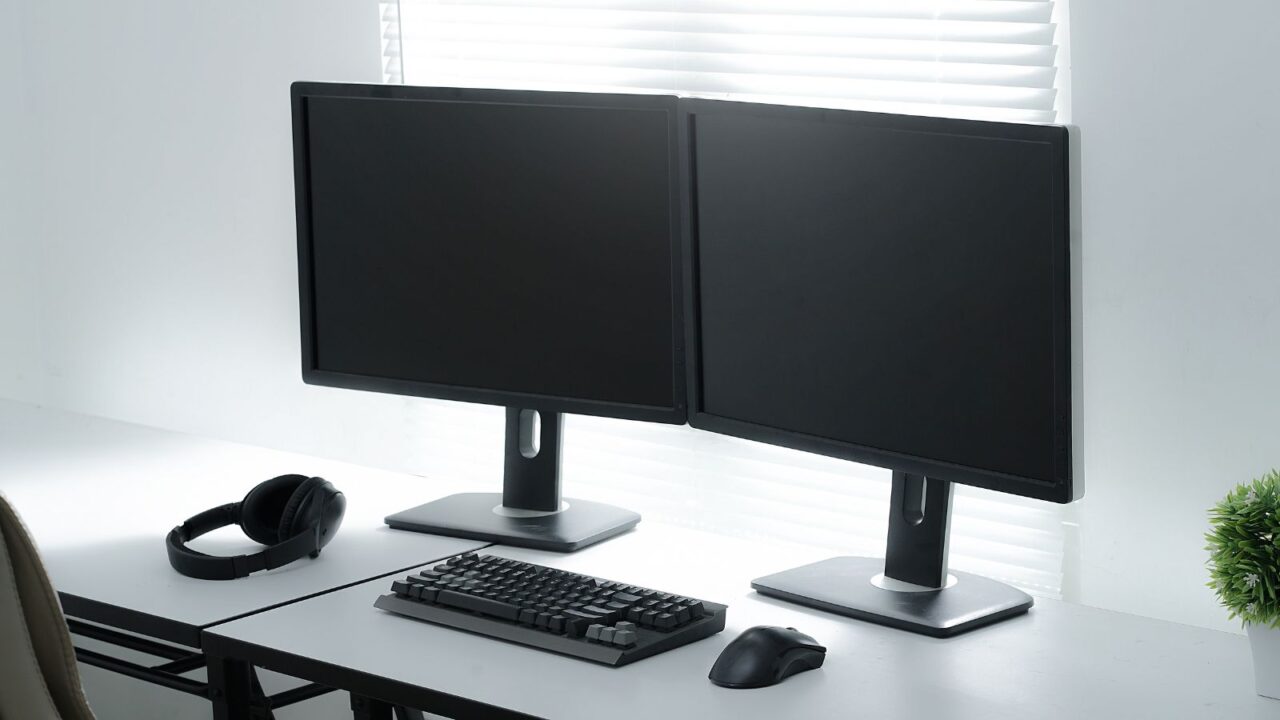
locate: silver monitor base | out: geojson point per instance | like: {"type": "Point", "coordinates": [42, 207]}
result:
{"type": "Point", "coordinates": [473, 516]}
{"type": "Point", "coordinates": [847, 586]}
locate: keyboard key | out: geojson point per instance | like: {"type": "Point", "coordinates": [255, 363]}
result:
{"type": "Point", "coordinates": [400, 588]}
{"type": "Point", "coordinates": [593, 631]}
{"type": "Point", "coordinates": [576, 627]}
{"type": "Point", "coordinates": [571, 613]}
{"type": "Point", "coordinates": [624, 638]}
{"type": "Point", "coordinates": [610, 616]}
{"type": "Point", "coordinates": [481, 605]}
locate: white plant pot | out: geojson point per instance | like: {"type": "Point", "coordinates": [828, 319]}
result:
{"type": "Point", "coordinates": [1265, 642]}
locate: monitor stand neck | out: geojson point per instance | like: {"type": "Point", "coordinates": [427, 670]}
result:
{"type": "Point", "coordinates": [910, 588]}
{"type": "Point", "coordinates": [529, 512]}
{"type": "Point", "coordinates": [531, 468]}
{"type": "Point", "coordinates": [919, 528]}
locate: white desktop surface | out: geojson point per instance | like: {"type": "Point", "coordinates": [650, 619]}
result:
{"type": "Point", "coordinates": [100, 496]}
{"type": "Point", "coordinates": [1059, 661]}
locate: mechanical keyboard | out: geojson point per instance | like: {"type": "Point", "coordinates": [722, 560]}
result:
{"type": "Point", "coordinates": [540, 607]}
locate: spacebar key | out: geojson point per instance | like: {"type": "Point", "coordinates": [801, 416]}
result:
{"type": "Point", "coordinates": [484, 606]}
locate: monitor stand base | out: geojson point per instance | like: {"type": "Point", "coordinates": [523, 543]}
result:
{"type": "Point", "coordinates": [529, 512]}
{"type": "Point", "coordinates": [852, 586]}
{"type": "Point", "coordinates": [910, 588]}
{"type": "Point", "coordinates": [481, 516]}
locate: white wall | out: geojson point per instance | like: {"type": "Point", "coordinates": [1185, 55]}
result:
{"type": "Point", "coordinates": [146, 227]}
{"type": "Point", "coordinates": [20, 350]}
{"type": "Point", "coordinates": [164, 200]}
{"type": "Point", "coordinates": [157, 234]}
{"type": "Point", "coordinates": [1181, 208]}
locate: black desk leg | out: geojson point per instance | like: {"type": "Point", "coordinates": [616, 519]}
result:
{"type": "Point", "coordinates": [231, 686]}
{"type": "Point", "coordinates": [365, 708]}
{"type": "Point", "coordinates": [261, 703]}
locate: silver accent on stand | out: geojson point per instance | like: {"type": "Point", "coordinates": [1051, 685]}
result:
{"type": "Point", "coordinates": [884, 582]}
{"type": "Point", "coordinates": [511, 512]}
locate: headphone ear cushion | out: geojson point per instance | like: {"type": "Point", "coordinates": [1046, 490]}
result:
{"type": "Point", "coordinates": [286, 529]}
{"type": "Point", "coordinates": [263, 506]}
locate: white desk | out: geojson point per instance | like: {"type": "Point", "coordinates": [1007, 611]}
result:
{"type": "Point", "coordinates": [1059, 661]}
{"type": "Point", "coordinates": [99, 496]}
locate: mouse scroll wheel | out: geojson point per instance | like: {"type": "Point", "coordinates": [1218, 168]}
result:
{"type": "Point", "coordinates": [793, 629]}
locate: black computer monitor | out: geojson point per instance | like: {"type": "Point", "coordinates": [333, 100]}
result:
{"type": "Point", "coordinates": [891, 290]}
{"type": "Point", "coordinates": [513, 248]}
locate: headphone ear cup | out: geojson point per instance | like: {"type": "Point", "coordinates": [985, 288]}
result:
{"type": "Point", "coordinates": [263, 506]}
{"type": "Point", "coordinates": [290, 514]}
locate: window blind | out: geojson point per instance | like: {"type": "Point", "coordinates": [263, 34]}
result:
{"type": "Point", "coordinates": [392, 63]}
{"type": "Point", "coordinates": [721, 484]}
{"type": "Point", "coordinates": [982, 59]}
{"type": "Point", "coordinates": [985, 59]}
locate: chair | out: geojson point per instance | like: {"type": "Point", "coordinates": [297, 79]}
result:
{"type": "Point", "coordinates": [38, 675]}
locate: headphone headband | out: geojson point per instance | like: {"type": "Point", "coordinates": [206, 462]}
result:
{"type": "Point", "coordinates": [306, 541]}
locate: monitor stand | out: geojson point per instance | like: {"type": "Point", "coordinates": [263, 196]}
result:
{"type": "Point", "coordinates": [529, 512]}
{"type": "Point", "coordinates": [910, 589]}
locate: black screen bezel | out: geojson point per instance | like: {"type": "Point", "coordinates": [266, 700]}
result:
{"type": "Point", "coordinates": [1060, 488]}
{"type": "Point", "coordinates": [314, 375]}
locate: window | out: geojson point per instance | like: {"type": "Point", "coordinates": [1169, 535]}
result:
{"type": "Point", "coordinates": [986, 59]}
{"type": "Point", "coordinates": [983, 59]}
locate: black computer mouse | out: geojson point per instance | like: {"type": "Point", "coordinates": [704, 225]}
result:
{"type": "Point", "coordinates": [764, 655]}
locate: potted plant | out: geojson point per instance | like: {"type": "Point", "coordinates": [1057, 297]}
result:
{"type": "Point", "coordinates": [1244, 563]}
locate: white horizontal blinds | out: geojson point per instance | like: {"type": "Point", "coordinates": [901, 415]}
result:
{"type": "Point", "coordinates": [736, 487]}
{"type": "Point", "coordinates": [389, 25]}
{"type": "Point", "coordinates": [721, 484]}
{"type": "Point", "coordinates": [988, 59]}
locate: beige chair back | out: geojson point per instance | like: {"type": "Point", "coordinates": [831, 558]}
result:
{"type": "Point", "coordinates": [38, 675]}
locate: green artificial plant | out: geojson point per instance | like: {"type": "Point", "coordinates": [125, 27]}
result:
{"type": "Point", "coordinates": [1244, 551]}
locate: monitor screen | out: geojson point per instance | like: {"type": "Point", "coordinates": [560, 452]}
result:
{"type": "Point", "coordinates": [514, 248]}
{"type": "Point", "coordinates": [887, 289]}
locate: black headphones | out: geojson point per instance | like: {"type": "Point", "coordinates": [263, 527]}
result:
{"type": "Point", "coordinates": [294, 515]}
